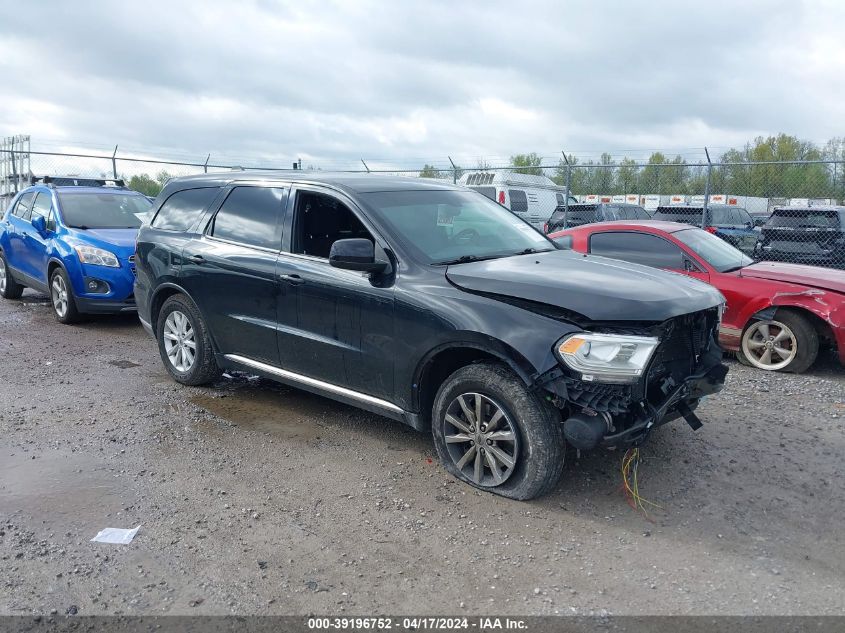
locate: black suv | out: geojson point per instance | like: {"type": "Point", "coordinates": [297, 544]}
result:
{"type": "Point", "coordinates": [427, 303]}
{"type": "Point", "coordinates": [581, 213]}
{"type": "Point", "coordinates": [804, 235]}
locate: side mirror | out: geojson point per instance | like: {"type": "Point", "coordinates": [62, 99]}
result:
{"type": "Point", "coordinates": [356, 254]}
{"type": "Point", "coordinates": [40, 224]}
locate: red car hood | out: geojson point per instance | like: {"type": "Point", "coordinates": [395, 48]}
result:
{"type": "Point", "coordinates": [814, 276]}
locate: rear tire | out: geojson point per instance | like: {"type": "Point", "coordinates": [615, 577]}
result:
{"type": "Point", "coordinates": [520, 455]}
{"type": "Point", "coordinates": [787, 342]}
{"type": "Point", "coordinates": [61, 297]}
{"type": "Point", "coordinates": [184, 342]}
{"type": "Point", "coordinates": [9, 288]}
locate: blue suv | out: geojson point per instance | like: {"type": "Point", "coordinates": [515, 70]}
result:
{"type": "Point", "coordinates": [74, 239]}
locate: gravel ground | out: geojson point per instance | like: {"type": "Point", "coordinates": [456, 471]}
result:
{"type": "Point", "coordinates": [254, 498]}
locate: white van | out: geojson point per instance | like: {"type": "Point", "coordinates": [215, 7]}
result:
{"type": "Point", "coordinates": [533, 198]}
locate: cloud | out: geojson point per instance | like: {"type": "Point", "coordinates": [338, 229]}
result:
{"type": "Point", "coordinates": [407, 83]}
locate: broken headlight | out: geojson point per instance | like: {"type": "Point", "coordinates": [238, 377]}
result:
{"type": "Point", "coordinates": [609, 358]}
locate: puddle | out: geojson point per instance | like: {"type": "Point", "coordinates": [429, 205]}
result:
{"type": "Point", "coordinates": [124, 364]}
{"type": "Point", "coordinates": [61, 487]}
{"type": "Point", "coordinates": [289, 413]}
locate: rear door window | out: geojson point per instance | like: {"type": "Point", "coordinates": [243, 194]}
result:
{"type": "Point", "coordinates": [251, 216]}
{"type": "Point", "coordinates": [519, 200]}
{"type": "Point", "coordinates": [639, 248]}
{"type": "Point", "coordinates": [24, 205]}
{"type": "Point", "coordinates": [183, 208]}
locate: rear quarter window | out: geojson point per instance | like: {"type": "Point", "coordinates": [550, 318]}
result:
{"type": "Point", "coordinates": [519, 200]}
{"type": "Point", "coordinates": [182, 209]}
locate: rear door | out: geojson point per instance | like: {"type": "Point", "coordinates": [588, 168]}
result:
{"type": "Point", "coordinates": [18, 229]}
{"type": "Point", "coordinates": [230, 270]}
{"type": "Point", "coordinates": [34, 261]}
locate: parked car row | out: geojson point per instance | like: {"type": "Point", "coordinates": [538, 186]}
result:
{"type": "Point", "coordinates": [778, 315]}
{"type": "Point", "coordinates": [801, 235]}
{"type": "Point", "coordinates": [421, 301]}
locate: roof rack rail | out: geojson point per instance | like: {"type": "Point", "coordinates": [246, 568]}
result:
{"type": "Point", "coordinates": [77, 181]}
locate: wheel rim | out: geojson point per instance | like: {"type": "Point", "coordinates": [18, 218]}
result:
{"type": "Point", "coordinates": [769, 345]}
{"type": "Point", "coordinates": [58, 292]}
{"type": "Point", "coordinates": [2, 275]}
{"type": "Point", "coordinates": [180, 345]}
{"type": "Point", "coordinates": [481, 439]}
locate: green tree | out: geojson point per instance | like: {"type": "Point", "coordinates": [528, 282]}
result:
{"type": "Point", "coordinates": [428, 171]}
{"type": "Point", "coordinates": [527, 163]}
{"type": "Point", "coordinates": [144, 184]}
{"type": "Point", "coordinates": [627, 176]}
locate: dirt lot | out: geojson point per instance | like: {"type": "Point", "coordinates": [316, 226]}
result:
{"type": "Point", "coordinates": [256, 498]}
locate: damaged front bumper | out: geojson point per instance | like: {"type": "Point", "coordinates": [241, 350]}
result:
{"type": "Point", "coordinates": [624, 415]}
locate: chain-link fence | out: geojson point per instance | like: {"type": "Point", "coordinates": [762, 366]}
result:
{"type": "Point", "coordinates": [784, 211]}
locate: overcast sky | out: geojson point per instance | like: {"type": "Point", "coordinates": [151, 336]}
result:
{"type": "Point", "coordinates": [407, 82]}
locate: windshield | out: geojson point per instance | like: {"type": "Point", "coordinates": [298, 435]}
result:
{"type": "Point", "coordinates": [803, 218]}
{"type": "Point", "coordinates": [104, 210]}
{"type": "Point", "coordinates": [715, 251]}
{"type": "Point", "coordinates": [443, 226]}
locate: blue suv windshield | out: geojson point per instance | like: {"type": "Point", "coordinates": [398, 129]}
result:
{"type": "Point", "coordinates": [446, 226]}
{"type": "Point", "coordinates": [103, 210]}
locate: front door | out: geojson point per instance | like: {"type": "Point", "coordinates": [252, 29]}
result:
{"type": "Point", "coordinates": [333, 325]}
{"type": "Point", "coordinates": [34, 262]}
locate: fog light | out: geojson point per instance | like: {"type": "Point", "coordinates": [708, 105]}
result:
{"type": "Point", "coordinates": [92, 285]}
{"type": "Point", "coordinates": [98, 286]}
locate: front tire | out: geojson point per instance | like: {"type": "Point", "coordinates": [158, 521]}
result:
{"type": "Point", "coordinates": [491, 432]}
{"type": "Point", "coordinates": [9, 288]}
{"type": "Point", "coordinates": [61, 297]}
{"type": "Point", "coordinates": [184, 342]}
{"type": "Point", "coordinates": [787, 342]}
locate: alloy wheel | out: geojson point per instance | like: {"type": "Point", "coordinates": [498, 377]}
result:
{"type": "Point", "coordinates": [58, 292]}
{"type": "Point", "coordinates": [481, 439]}
{"type": "Point", "coordinates": [769, 345]}
{"type": "Point", "coordinates": [179, 341]}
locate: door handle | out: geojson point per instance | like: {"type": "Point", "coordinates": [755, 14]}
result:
{"type": "Point", "coordinates": [292, 279]}
{"type": "Point", "coordinates": [196, 259]}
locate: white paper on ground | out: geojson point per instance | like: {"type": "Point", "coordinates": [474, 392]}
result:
{"type": "Point", "coordinates": [117, 536]}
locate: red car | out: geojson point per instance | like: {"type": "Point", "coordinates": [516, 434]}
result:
{"type": "Point", "coordinates": [777, 314]}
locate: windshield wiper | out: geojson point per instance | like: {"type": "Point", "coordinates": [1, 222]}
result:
{"type": "Point", "coordinates": [531, 250]}
{"type": "Point", "coordinates": [465, 259]}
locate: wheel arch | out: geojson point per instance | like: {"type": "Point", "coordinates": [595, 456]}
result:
{"type": "Point", "coordinates": [445, 359]}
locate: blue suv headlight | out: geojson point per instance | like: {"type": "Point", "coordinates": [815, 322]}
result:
{"type": "Point", "coordinates": [97, 256]}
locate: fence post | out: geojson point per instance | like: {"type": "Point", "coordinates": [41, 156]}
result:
{"type": "Point", "coordinates": [15, 176]}
{"type": "Point", "coordinates": [205, 167]}
{"type": "Point", "coordinates": [454, 171]}
{"type": "Point", "coordinates": [114, 163]}
{"type": "Point", "coordinates": [706, 191]}
{"type": "Point", "coordinates": [568, 190]}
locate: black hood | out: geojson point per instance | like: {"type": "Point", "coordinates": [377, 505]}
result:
{"type": "Point", "coordinates": [598, 288]}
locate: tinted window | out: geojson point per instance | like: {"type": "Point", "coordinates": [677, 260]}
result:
{"type": "Point", "coordinates": [721, 216]}
{"type": "Point", "coordinates": [42, 204]}
{"type": "Point", "coordinates": [24, 205]}
{"type": "Point", "coordinates": [50, 224]}
{"type": "Point", "coordinates": [519, 201]}
{"type": "Point", "coordinates": [633, 212]}
{"type": "Point", "coordinates": [490, 192]}
{"type": "Point", "coordinates": [103, 210]}
{"type": "Point", "coordinates": [565, 241]}
{"type": "Point", "coordinates": [803, 219]}
{"type": "Point", "coordinates": [181, 210]}
{"type": "Point", "coordinates": [581, 215]}
{"type": "Point", "coordinates": [320, 220]}
{"type": "Point", "coordinates": [638, 248]}
{"type": "Point", "coordinates": [250, 215]}
{"type": "Point", "coordinates": [743, 217]}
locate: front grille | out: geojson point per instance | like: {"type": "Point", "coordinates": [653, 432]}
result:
{"type": "Point", "coordinates": [682, 341]}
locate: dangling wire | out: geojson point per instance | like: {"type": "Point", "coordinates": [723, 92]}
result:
{"type": "Point", "coordinates": [630, 484]}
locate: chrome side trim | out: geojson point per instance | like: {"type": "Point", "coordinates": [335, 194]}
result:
{"type": "Point", "coordinates": [313, 382]}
